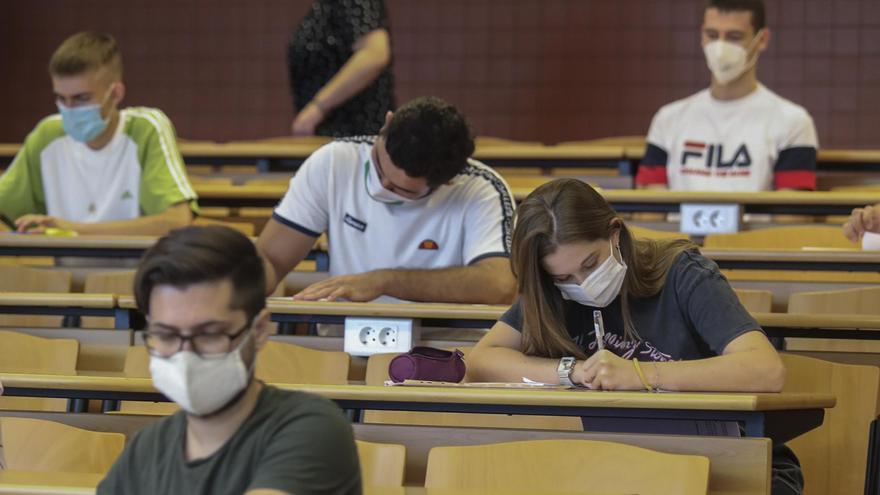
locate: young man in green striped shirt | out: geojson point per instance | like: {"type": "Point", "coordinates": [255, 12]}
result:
{"type": "Point", "coordinates": [93, 168]}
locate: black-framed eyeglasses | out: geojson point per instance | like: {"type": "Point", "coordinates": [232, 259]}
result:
{"type": "Point", "coordinates": [165, 343]}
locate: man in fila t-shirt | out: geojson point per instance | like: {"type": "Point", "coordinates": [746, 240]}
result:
{"type": "Point", "coordinates": [407, 213]}
{"type": "Point", "coordinates": [93, 168]}
{"type": "Point", "coordinates": [737, 135]}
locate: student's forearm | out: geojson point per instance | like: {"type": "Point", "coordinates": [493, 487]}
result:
{"type": "Point", "coordinates": [150, 225]}
{"type": "Point", "coordinates": [359, 71]}
{"type": "Point", "coordinates": [740, 372]}
{"type": "Point", "coordinates": [485, 365]}
{"type": "Point", "coordinates": [469, 284]}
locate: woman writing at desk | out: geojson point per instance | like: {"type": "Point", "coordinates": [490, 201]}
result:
{"type": "Point", "coordinates": [671, 320]}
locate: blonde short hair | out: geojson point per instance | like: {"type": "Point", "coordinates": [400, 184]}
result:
{"type": "Point", "coordinates": [85, 52]}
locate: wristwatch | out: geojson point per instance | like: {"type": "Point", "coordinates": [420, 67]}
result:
{"type": "Point", "coordinates": [564, 369]}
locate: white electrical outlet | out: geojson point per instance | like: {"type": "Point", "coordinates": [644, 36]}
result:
{"type": "Point", "coordinates": [705, 218]}
{"type": "Point", "coordinates": [366, 336]}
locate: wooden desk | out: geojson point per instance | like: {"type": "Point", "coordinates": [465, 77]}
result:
{"type": "Point", "coordinates": [65, 304]}
{"type": "Point", "coordinates": [776, 416]}
{"type": "Point", "coordinates": [288, 153]}
{"type": "Point", "coordinates": [431, 314]}
{"type": "Point", "coordinates": [420, 490]}
{"type": "Point", "coordinates": [286, 310]}
{"type": "Point", "coordinates": [831, 326]}
{"type": "Point", "coordinates": [737, 465]}
{"type": "Point", "coordinates": [34, 483]}
{"type": "Point", "coordinates": [826, 160]}
{"type": "Point", "coordinates": [240, 196]}
{"type": "Point", "coordinates": [849, 260]}
{"type": "Point", "coordinates": [42, 483]}
{"type": "Point", "coordinates": [773, 202]}
{"type": "Point", "coordinates": [283, 309]}
{"type": "Point", "coordinates": [100, 246]}
{"type": "Point", "coordinates": [623, 200]}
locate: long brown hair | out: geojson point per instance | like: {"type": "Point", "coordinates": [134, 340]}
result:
{"type": "Point", "coordinates": [566, 211]}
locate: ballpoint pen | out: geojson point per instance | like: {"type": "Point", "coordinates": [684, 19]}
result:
{"type": "Point", "coordinates": [599, 328]}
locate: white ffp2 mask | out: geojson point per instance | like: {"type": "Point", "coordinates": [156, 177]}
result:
{"type": "Point", "coordinates": [601, 286]}
{"type": "Point", "coordinates": [200, 386]}
{"type": "Point", "coordinates": [727, 61]}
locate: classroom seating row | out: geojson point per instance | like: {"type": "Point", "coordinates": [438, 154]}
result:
{"type": "Point", "coordinates": [815, 255]}
{"type": "Point", "coordinates": [26, 290]}
{"type": "Point", "coordinates": [842, 439]}
{"type": "Point", "coordinates": [497, 460]}
{"type": "Point", "coordinates": [621, 153]}
{"type": "Point", "coordinates": [818, 203]}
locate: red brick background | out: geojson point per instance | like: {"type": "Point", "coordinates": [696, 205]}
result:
{"type": "Point", "coordinates": [547, 70]}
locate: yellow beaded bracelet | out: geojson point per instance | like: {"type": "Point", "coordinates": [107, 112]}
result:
{"type": "Point", "coordinates": [642, 376]}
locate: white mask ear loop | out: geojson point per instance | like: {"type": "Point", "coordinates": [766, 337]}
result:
{"type": "Point", "coordinates": [752, 59]}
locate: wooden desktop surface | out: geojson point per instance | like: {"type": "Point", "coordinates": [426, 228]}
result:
{"type": "Point", "coordinates": [793, 255]}
{"type": "Point", "coordinates": [518, 151]}
{"type": "Point", "coordinates": [718, 254]}
{"type": "Point", "coordinates": [815, 255]}
{"type": "Point", "coordinates": [298, 147]}
{"type": "Point", "coordinates": [286, 305]}
{"type": "Point", "coordinates": [636, 152]}
{"type": "Point", "coordinates": [56, 483]}
{"type": "Point", "coordinates": [580, 398]}
{"type": "Point", "coordinates": [77, 242]}
{"type": "Point", "coordinates": [639, 196]}
{"type": "Point", "coordinates": [58, 300]}
{"type": "Point", "coordinates": [751, 198]}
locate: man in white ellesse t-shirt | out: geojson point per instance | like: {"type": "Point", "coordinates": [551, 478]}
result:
{"type": "Point", "coordinates": [407, 215]}
{"type": "Point", "coordinates": [737, 135]}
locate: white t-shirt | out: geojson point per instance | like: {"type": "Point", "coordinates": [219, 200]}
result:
{"type": "Point", "coordinates": [759, 142]}
{"type": "Point", "coordinates": [460, 223]}
{"type": "Point", "coordinates": [139, 172]}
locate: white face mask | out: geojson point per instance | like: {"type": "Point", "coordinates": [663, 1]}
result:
{"type": "Point", "coordinates": [600, 287]}
{"type": "Point", "coordinates": [377, 191]}
{"type": "Point", "coordinates": [200, 386]}
{"type": "Point", "coordinates": [727, 60]}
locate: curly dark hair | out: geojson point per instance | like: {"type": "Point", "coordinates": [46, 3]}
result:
{"type": "Point", "coordinates": [430, 139]}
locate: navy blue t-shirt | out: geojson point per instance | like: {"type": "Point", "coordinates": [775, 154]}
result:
{"type": "Point", "coordinates": [694, 316]}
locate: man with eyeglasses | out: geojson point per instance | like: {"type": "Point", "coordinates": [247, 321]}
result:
{"type": "Point", "coordinates": [408, 215]}
{"type": "Point", "coordinates": [202, 291]}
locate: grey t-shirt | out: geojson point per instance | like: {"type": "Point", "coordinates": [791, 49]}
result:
{"type": "Point", "coordinates": [694, 316]}
{"type": "Point", "coordinates": [293, 441]}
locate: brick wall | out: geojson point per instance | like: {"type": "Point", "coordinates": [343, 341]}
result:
{"type": "Point", "coordinates": [547, 70]}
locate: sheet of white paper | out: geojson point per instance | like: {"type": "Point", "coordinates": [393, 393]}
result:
{"type": "Point", "coordinates": [871, 241]}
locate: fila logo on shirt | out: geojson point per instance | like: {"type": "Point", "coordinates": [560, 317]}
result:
{"type": "Point", "coordinates": [429, 244]}
{"type": "Point", "coordinates": [713, 156]}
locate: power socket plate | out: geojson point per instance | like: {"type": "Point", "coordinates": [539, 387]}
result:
{"type": "Point", "coordinates": [367, 336]}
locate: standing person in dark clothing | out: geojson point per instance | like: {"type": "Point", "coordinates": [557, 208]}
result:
{"type": "Point", "coordinates": [340, 69]}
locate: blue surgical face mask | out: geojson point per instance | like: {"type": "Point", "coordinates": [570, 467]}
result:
{"type": "Point", "coordinates": [84, 123]}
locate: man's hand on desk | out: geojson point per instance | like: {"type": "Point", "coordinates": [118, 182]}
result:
{"type": "Point", "coordinates": [361, 287]}
{"type": "Point", "coordinates": [862, 220]}
{"type": "Point", "coordinates": [37, 224]}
